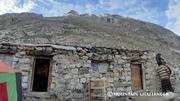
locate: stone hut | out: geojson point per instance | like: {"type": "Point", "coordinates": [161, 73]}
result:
{"type": "Point", "coordinates": [67, 70]}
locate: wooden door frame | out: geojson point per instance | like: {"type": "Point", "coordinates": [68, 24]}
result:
{"type": "Point", "coordinates": [143, 73]}
{"type": "Point", "coordinates": [31, 76]}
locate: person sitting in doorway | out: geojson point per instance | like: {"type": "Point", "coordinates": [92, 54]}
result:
{"type": "Point", "coordinates": [45, 69]}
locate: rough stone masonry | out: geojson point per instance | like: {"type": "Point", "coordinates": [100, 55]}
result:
{"type": "Point", "coordinates": [72, 67]}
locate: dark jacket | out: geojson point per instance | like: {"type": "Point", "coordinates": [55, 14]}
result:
{"type": "Point", "coordinates": [159, 59]}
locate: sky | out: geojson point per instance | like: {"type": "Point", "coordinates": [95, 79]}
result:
{"type": "Point", "coordinates": [162, 12]}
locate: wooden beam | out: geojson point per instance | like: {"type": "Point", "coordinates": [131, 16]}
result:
{"type": "Point", "coordinates": [89, 85]}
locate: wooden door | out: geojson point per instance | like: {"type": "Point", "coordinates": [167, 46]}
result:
{"type": "Point", "coordinates": [136, 77]}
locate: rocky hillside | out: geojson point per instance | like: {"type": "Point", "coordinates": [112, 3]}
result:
{"type": "Point", "coordinates": [105, 30]}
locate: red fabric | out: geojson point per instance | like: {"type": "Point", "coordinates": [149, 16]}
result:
{"type": "Point", "coordinates": [3, 92]}
{"type": "Point", "coordinates": [6, 68]}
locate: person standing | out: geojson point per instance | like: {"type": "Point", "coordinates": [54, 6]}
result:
{"type": "Point", "coordinates": [164, 74]}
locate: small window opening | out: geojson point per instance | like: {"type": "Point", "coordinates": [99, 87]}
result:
{"type": "Point", "coordinates": [100, 67]}
{"type": "Point", "coordinates": [7, 58]}
{"type": "Point", "coordinates": [40, 83]}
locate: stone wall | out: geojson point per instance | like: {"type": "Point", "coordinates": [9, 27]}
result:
{"type": "Point", "coordinates": [72, 73]}
{"type": "Point", "coordinates": [72, 70]}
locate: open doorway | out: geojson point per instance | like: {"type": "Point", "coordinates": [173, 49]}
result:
{"type": "Point", "coordinates": [41, 73]}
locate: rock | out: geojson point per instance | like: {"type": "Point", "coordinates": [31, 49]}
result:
{"type": "Point", "coordinates": [54, 74]}
{"type": "Point", "coordinates": [109, 90]}
{"type": "Point", "coordinates": [84, 57]}
{"type": "Point", "coordinates": [25, 67]}
{"type": "Point", "coordinates": [15, 59]}
{"type": "Point", "coordinates": [110, 80]}
{"type": "Point", "coordinates": [89, 54]}
{"type": "Point", "coordinates": [128, 78]}
{"type": "Point", "coordinates": [120, 89]}
{"type": "Point", "coordinates": [110, 57]}
{"type": "Point", "coordinates": [74, 71]}
{"type": "Point", "coordinates": [65, 93]}
{"type": "Point", "coordinates": [78, 65]}
{"type": "Point", "coordinates": [21, 60]}
{"type": "Point", "coordinates": [177, 87]}
{"type": "Point", "coordinates": [144, 57]}
{"type": "Point", "coordinates": [87, 75]}
{"type": "Point", "coordinates": [127, 65]}
{"type": "Point", "coordinates": [83, 51]}
{"type": "Point", "coordinates": [120, 61]}
{"type": "Point", "coordinates": [128, 89]}
{"type": "Point", "coordinates": [22, 53]}
{"type": "Point", "coordinates": [123, 78]}
{"type": "Point", "coordinates": [79, 86]}
{"type": "Point", "coordinates": [178, 99]}
{"type": "Point", "coordinates": [50, 49]}
{"type": "Point", "coordinates": [27, 60]}
{"type": "Point", "coordinates": [104, 78]}
{"type": "Point", "coordinates": [59, 86]}
{"type": "Point", "coordinates": [129, 73]}
{"type": "Point", "coordinates": [83, 80]}
{"type": "Point", "coordinates": [83, 70]}
{"type": "Point", "coordinates": [116, 84]}
{"type": "Point", "coordinates": [116, 79]}
{"type": "Point", "coordinates": [116, 74]}
{"type": "Point", "coordinates": [25, 79]}
{"type": "Point", "coordinates": [148, 76]}
{"type": "Point", "coordinates": [89, 61]}
{"type": "Point", "coordinates": [68, 76]}
{"type": "Point", "coordinates": [24, 85]}
{"type": "Point", "coordinates": [62, 61]}
{"type": "Point", "coordinates": [169, 96]}
{"type": "Point", "coordinates": [79, 48]}
{"type": "Point", "coordinates": [39, 48]}
{"type": "Point", "coordinates": [60, 97]}
{"type": "Point", "coordinates": [87, 65]}
{"type": "Point", "coordinates": [78, 96]}
{"type": "Point", "coordinates": [71, 66]}
{"type": "Point", "coordinates": [117, 56]}
{"type": "Point", "coordinates": [24, 73]}
{"type": "Point", "coordinates": [81, 54]}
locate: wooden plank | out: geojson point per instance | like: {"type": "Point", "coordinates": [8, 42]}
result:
{"type": "Point", "coordinates": [136, 85]}
{"type": "Point", "coordinates": [97, 87]}
{"type": "Point", "coordinates": [89, 86]}
{"type": "Point", "coordinates": [98, 95]}
{"type": "Point", "coordinates": [50, 74]}
{"type": "Point", "coordinates": [105, 90]}
{"type": "Point", "coordinates": [94, 86]}
{"type": "Point", "coordinates": [136, 77]}
{"type": "Point", "coordinates": [32, 74]}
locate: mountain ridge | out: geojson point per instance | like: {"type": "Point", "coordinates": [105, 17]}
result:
{"type": "Point", "coordinates": [104, 30]}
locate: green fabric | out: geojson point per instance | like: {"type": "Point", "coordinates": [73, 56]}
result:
{"type": "Point", "coordinates": [10, 79]}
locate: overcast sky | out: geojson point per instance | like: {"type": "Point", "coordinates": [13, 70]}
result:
{"type": "Point", "coordinates": [162, 12]}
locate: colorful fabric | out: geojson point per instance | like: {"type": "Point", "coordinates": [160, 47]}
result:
{"type": "Point", "coordinates": [163, 72]}
{"type": "Point", "coordinates": [10, 79]}
{"type": "Point", "coordinates": [3, 92]}
{"type": "Point", "coordinates": [12, 86]}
